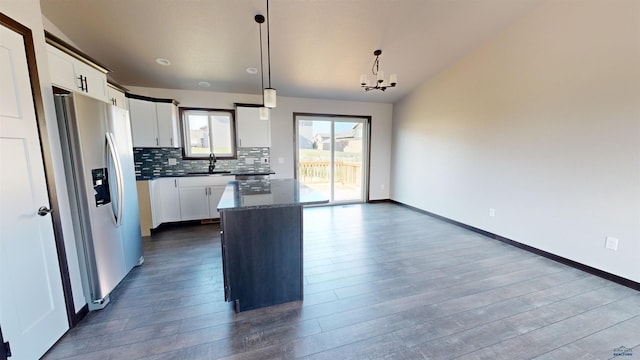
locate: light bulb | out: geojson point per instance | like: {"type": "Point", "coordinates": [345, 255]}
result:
{"type": "Point", "coordinates": [270, 97]}
{"type": "Point", "coordinates": [264, 113]}
{"type": "Point", "coordinates": [393, 79]}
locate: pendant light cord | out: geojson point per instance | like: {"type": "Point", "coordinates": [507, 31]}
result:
{"type": "Point", "coordinates": [261, 66]}
{"type": "Point", "coordinates": [268, 44]}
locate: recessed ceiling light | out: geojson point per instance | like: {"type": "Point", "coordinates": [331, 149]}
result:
{"type": "Point", "coordinates": [252, 70]}
{"type": "Point", "coordinates": [163, 61]}
{"type": "Point", "coordinates": [204, 84]}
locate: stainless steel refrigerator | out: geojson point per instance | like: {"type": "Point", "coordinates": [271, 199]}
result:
{"type": "Point", "coordinates": [99, 167]}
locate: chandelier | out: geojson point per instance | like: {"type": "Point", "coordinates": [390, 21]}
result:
{"type": "Point", "coordinates": [379, 83]}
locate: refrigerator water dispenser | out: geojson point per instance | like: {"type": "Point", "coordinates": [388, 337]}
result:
{"type": "Point", "coordinates": [101, 186]}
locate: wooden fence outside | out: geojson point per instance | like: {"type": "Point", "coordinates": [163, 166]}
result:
{"type": "Point", "coordinates": [318, 172]}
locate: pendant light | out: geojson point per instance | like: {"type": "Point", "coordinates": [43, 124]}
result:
{"type": "Point", "coordinates": [269, 93]}
{"type": "Point", "coordinates": [264, 111]}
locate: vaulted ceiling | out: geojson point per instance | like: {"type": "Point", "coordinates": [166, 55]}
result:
{"type": "Point", "coordinates": [319, 48]}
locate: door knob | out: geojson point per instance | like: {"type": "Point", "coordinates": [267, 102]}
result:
{"type": "Point", "coordinates": [43, 210]}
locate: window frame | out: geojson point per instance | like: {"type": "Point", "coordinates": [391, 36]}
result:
{"type": "Point", "coordinates": [183, 112]}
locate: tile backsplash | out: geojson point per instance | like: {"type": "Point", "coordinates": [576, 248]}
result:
{"type": "Point", "coordinates": [153, 162]}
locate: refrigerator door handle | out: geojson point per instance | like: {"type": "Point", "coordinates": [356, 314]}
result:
{"type": "Point", "coordinates": [119, 179]}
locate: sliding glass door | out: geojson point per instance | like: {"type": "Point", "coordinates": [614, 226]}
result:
{"type": "Point", "coordinates": [332, 153]}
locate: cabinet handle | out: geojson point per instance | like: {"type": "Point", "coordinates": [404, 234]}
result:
{"type": "Point", "coordinates": [81, 82]}
{"type": "Point", "coordinates": [171, 141]}
{"type": "Point", "coordinates": [86, 85]}
{"type": "Point", "coordinates": [157, 142]}
{"type": "Point", "coordinates": [175, 182]}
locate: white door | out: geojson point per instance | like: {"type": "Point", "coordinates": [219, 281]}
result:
{"type": "Point", "coordinates": [32, 309]}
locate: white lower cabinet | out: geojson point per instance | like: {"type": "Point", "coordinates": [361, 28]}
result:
{"type": "Point", "coordinates": [165, 201]}
{"type": "Point", "coordinates": [195, 202]}
{"type": "Point", "coordinates": [199, 196]}
{"type": "Point", "coordinates": [186, 198]}
{"type": "Point", "coordinates": [215, 194]}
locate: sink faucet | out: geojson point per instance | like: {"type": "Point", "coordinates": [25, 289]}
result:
{"type": "Point", "coordinates": [212, 162]}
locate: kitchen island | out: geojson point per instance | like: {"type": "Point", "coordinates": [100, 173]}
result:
{"type": "Point", "coordinates": [261, 238]}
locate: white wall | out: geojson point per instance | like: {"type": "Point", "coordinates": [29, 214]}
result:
{"type": "Point", "coordinates": [282, 146]}
{"type": "Point", "coordinates": [542, 124]}
{"type": "Point", "coordinates": [27, 12]}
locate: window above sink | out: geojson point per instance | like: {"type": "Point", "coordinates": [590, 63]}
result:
{"type": "Point", "coordinates": [206, 131]}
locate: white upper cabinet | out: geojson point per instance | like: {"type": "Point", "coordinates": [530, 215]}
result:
{"type": "Point", "coordinates": [154, 123]}
{"type": "Point", "coordinates": [61, 69]}
{"type": "Point", "coordinates": [252, 132]}
{"type": "Point", "coordinates": [116, 97]}
{"type": "Point", "coordinates": [168, 129]}
{"type": "Point", "coordinates": [71, 73]}
{"type": "Point", "coordinates": [144, 123]}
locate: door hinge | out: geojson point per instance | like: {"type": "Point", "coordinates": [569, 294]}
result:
{"type": "Point", "coordinates": [7, 349]}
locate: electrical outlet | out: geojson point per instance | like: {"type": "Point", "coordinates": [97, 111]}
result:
{"type": "Point", "coordinates": [492, 212]}
{"type": "Point", "coordinates": [171, 161]}
{"type": "Point", "coordinates": [611, 243]}
{"type": "Point", "coordinates": [264, 160]}
{"type": "Point", "coordinates": [249, 160]}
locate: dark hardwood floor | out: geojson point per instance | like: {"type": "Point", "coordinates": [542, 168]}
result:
{"type": "Point", "coordinates": [381, 282]}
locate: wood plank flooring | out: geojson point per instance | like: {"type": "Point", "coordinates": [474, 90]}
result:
{"type": "Point", "coordinates": [381, 282]}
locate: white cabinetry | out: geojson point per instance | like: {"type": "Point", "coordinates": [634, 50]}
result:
{"type": "Point", "coordinates": [199, 196]}
{"type": "Point", "coordinates": [196, 202]}
{"type": "Point", "coordinates": [144, 124]}
{"type": "Point", "coordinates": [71, 73]}
{"type": "Point", "coordinates": [168, 129]}
{"type": "Point", "coordinates": [165, 200]}
{"type": "Point", "coordinates": [185, 198]}
{"type": "Point", "coordinates": [116, 96]}
{"type": "Point", "coordinates": [154, 123]}
{"type": "Point", "coordinates": [252, 132]}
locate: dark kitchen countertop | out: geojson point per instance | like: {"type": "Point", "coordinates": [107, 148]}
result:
{"type": "Point", "coordinates": [249, 173]}
{"type": "Point", "coordinates": [268, 193]}
{"type": "Point", "coordinates": [219, 173]}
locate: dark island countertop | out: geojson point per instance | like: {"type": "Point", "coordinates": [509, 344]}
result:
{"type": "Point", "coordinates": [268, 193]}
